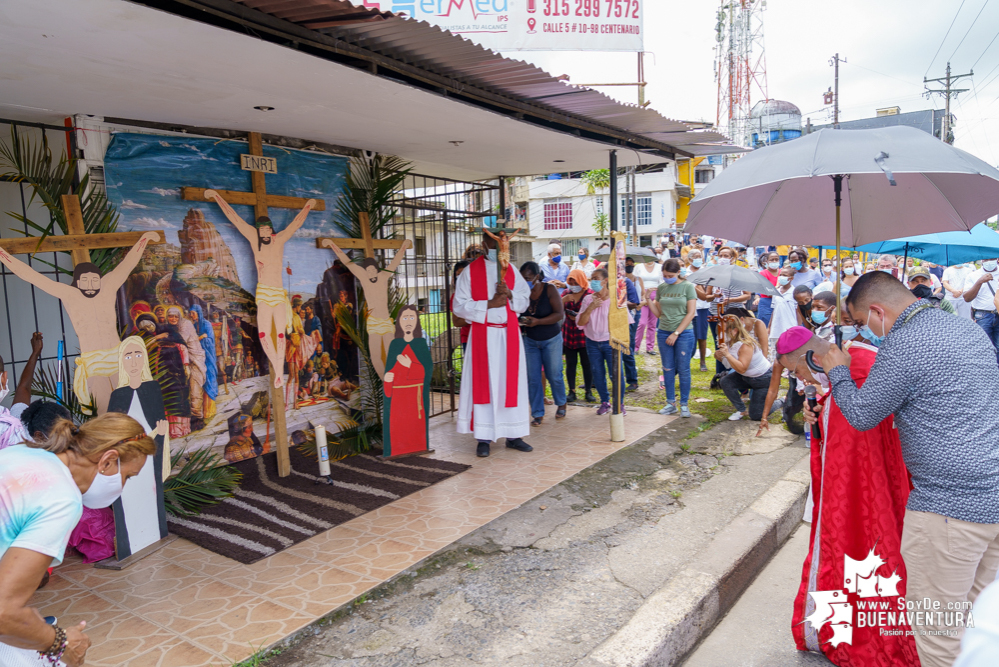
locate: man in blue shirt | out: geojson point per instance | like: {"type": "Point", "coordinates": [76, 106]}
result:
{"type": "Point", "coordinates": [937, 375]}
{"type": "Point", "coordinates": [554, 270]}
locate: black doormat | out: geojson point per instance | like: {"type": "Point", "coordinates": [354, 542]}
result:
{"type": "Point", "coordinates": [269, 514]}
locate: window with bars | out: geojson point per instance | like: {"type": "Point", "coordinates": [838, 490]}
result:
{"type": "Point", "coordinates": [558, 214]}
{"type": "Point", "coordinates": [600, 205]}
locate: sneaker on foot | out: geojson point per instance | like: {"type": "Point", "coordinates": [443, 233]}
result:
{"type": "Point", "coordinates": [777, 406]}
{"type": "Point", "coordinates": [519, 445]}
{"type": "Point", "coordinates": [632, 387]}
{"type": "Point", "coordinates": [603, 409]}
{"type": "Point", "coordinates": [684, 411]}
{"type": "Point", "coordinates": [735, 416]}
{"type": "Point", "coordinates": [571, 397]}
{"type": "Point", "coordinates": [482, 450]}
{"type": "Point", "coordinates": [668, 409]}
{"type": "Point", "coordinates": [590, 398]}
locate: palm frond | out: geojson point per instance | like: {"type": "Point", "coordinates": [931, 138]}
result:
{"type": "Point", "coordinates": [26, 160]}
{"type": "Point", "coordinates": [371, 187]}
{"type": "Point", "coordinates": [203, 480]}
{"type": "Point", "coordinates": [43, 385]}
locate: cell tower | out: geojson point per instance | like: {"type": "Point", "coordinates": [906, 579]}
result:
{"type": "Point", "coordinates": [740, 65]}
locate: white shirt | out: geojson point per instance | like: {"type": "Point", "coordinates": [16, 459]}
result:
{"type": "Point", "coordinates": [986, 296]}
{"type": "Point", "coordinates": [830, 286]}
{"type": "Point", "coordinates": [955, 276]}
{"type": "Point", "coordinates": [650, 279]}
{"type": "Point", "coordinates": [588, 268]}
{"type": "Point", "coordinates": [758, 364]}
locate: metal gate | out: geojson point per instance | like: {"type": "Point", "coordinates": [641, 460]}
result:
{"type": "Point", "coordinates": [442, 218]}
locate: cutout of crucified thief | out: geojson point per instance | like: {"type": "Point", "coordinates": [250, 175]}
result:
{"type": "Point", "coordinates": [90, 303]}
{"type": "Point", "coordinates": [381, 327]}
{"type": "Point", "coordinates": [273, 306]}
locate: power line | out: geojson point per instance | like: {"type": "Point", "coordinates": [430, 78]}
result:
{"type": "Point", "coordinates": [883, 74]}
{"type": "Point", "coordinates": [986, 50]}
{"type": "Point", "coordinates": [969, 29]}
{"type": "Point", "coordinates": [944, 39]}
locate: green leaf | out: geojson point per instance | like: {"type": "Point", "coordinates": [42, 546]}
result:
{"type": "Point", "coordinates": [203, 480]}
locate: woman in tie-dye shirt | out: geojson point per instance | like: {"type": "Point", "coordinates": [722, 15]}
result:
{"type": "Point", "coordinates": [43, 489]}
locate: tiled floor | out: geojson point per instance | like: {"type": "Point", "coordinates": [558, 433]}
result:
{"type": "Point", "coordinates": [187, 606]}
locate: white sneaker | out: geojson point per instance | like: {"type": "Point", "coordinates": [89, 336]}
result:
{"type": "Point", "coordinates": [735, 416]}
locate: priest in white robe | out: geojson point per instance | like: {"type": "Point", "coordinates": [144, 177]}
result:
{"type": "Point", "coordinates": [494, 402]}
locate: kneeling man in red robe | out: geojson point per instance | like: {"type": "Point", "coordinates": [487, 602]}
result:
{"type": "Point", "coordinates": [850, 605]}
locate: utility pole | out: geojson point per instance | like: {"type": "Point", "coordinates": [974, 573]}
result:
{"type": "Point", "coordinates": [634, 209]}
{"type": "Point", "coordinates": [835, 61]}
{"type": "Point", "coordinates": [641, 79]}
{"type": "Point", "coordinates": [947, 92]}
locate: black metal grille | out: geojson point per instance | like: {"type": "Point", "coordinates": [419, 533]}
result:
{"type": "Point", "coordinates": [442, 217]}
{"type": "Point", "coordinates": [25, 308]}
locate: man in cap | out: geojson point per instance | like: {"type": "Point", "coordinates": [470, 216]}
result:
{"type": "Point", "coordinates": [494, 402]}
{"type": "Point", "coordinates": [858, 493]}
{"type": "Point", "coordinates": [921, 285]}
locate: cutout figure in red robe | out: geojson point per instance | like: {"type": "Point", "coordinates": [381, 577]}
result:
{"type": "Point", "coordinates": [853, 578]}
{"type": "Point", "coordinates": [408, 369]}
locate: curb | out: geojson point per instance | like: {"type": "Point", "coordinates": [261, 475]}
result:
{"type": "Point", "coordinates": [671, 621]}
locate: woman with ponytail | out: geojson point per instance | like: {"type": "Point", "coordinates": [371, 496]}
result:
{"type": "Point", "coordinates": [44, 486]}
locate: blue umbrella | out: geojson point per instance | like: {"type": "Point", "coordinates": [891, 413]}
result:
{"type": "Point", "coordinates": [944, 248]}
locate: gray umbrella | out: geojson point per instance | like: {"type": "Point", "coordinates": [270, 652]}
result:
{"type": "Point", "coordinates": [640, 255]}
{"type": "Point", "coordinates": [728, 276]}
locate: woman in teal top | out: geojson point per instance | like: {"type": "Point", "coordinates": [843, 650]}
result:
{"type": "Point", "coordinates": [675, 307]}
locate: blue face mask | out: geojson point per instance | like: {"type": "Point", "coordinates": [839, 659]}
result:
{"type": "Point", "coordinates": [818, 316]}
{"type": "Point", "coordinates": [866, 332]}
{"type": "Point", "coordinates": [885, 270]}
{"type": "Point", "coordinates": [491, 254]}
{"type": "Point", "coordinates": [596, 285]}
{"type": "Point", "coordinates": [849, 332]}
{"type": "Point", "coordinates": [557, 258]}
{"type": "Point", "coordinates": [796, 266]}
{"type": "Point", "coordinates": [669, 281]}
{"type": "Point", "coordinates": [582, 257]}
{"type": "Point", "coordinates": [697, 262]}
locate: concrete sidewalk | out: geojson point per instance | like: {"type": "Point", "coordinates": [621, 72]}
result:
{"type": "Point", "coordinates": [628, 563]}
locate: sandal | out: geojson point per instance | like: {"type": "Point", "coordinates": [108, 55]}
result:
{"type": "Point", "coordinates": [536, 421]}
{"type": "Point", "coordinates": [560, 413]}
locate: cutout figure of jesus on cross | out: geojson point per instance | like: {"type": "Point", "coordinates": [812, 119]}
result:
{"type": "Point", "coordinates": [273, 308]}
{"type": "Point", "coordinates": [381, 328]}
{"type": "Point", "coordinates": [90, 299]}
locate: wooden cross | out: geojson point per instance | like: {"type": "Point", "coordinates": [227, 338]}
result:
{"type": "Point", "coordinates": [260, 201]}
{"type": "Point", "coordinates": [366, 241]}
{"type": "Point", "coordinates": [77, 241]}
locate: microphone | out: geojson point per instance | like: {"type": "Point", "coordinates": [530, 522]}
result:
{"type": "Point", "coordinates": [810, 393]}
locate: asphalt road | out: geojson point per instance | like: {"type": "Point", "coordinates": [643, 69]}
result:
{"type": "Point", "coordinates": [757, 631]}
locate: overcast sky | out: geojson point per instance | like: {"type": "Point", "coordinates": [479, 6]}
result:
{"type": "Point", "coordinates": [888, 45]}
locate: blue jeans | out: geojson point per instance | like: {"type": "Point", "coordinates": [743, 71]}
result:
{"type": "Point", "coordinates": [990, 323]}
{"type": "Point", "coordinates": [676, 359]}
{"type": "Point", "coordinates": [544, 356]}
{"type": "Point", "coordinates": [601, 356]}
{"type": "Point", "coordinates": [628, 360]}
{"type": "Point", "coordinates": [765, 310]}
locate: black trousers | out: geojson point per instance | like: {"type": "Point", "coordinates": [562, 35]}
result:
{"type": "Point", "coordinates": [734, 384]}
{"type": "Point", "coordinates": [572, 357]}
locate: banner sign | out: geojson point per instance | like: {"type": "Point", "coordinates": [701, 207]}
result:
{"type": "Point", "coordinates": [533, 25]}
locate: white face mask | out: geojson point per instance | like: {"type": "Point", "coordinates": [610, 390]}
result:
{"type": "Point", "coordinates": [848, 270]}
{"type": "Point", "coordinates": [104, 490]}
{"type": "Point", "coordinates": [773, 265]}
{"type": "Point", "coordinates": [724, 260]}
{"type": "Point", "coordinates": [822, 379]}
{"type": "Point", "coordinates": [989, 266]}
{"type": "Point", "coordinates": [4, 391]}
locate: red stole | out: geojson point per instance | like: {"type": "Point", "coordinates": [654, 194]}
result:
{"type": "Point", "coordinates": [480, 343]}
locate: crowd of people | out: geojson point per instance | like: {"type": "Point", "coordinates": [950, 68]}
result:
{"type": "Point", "coordinates": [565, 323]}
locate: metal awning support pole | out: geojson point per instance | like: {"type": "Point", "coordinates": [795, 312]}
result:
{"type": "Point", "coordinates": [616, 419]}
{"type": "Point", "coordinates": [838, 192]}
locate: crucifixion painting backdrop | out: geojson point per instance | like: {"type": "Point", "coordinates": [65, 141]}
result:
{"type": "Point", "coordinates": [192, 298]}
